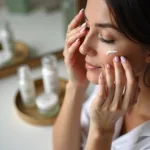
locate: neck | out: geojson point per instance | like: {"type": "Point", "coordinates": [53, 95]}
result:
{"type": "Point", "coordinates": [142, 107]}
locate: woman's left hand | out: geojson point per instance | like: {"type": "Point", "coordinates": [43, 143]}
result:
{"type": "Point", "coordinates": [117, 94]}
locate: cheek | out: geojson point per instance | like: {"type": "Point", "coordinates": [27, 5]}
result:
{"type": "Point", "coordinates": [104, 49]}
{"type": "Point", "coordinates": [136, 58]}
{"type": "Point", "coordinates": [106, 59]}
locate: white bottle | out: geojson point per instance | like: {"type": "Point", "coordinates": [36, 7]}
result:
{"type": "Point", "coordinates": [7, 39]}
{"type": "Point", "coordinates": [49, 74]}
{"type": "Point", "coordinates": [7, 43]}
{"type": "Point", "coordinates": [26, 86]}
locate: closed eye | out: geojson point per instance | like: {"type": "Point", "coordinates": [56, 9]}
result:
{"type": "Point", "coordinates": [107, 41]}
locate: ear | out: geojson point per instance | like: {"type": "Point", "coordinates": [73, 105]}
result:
{"type": "Point", "coordinates": [147, 57]}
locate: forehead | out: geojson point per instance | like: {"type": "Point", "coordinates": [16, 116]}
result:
{"type": "Point", "coordinates": [97, 11]}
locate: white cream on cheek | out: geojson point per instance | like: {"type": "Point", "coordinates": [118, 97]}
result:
{"type": "Point", "coordinates": [111, 52]}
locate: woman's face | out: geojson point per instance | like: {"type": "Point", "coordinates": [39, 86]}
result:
{"type": "Point", "coordinates": [102, 37]}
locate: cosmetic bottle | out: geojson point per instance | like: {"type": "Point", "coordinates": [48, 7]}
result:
{"type": "Point", "coordinates": [7, 39]}
{"type": "Point", "coordinates": [49, 74]}
{"type": "Point", "coordinates": [7, 46]}
{"type": "Point", "coordinates": [26, 86]}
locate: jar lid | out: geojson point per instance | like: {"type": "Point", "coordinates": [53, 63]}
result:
{"type": "Point", "coordinates": [47, 101]}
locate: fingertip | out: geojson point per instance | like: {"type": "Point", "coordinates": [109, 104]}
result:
{"type": "Point", "coordinates": [116, 59]}
{"type": "Point", "coordinates": [100, 78]}
{"type": "Point", "coordinates": [81, 11]}
{"type": "Point", "coordinates": [123, 59]}
{"type": "Point", "coordinates": [101, 75]}
{"type": "Point", "coordinates": [83, 25]}
{"type": "Point", "coordinates": [77, 42]}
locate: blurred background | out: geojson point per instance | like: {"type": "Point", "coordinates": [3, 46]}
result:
{"type": "Point", "coordinates": [30, 29]}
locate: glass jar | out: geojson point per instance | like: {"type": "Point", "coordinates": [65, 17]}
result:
{"type": "Point", "coordinates": [48, 104]}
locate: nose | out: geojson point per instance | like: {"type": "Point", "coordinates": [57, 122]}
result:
{"type": "Point", "coordinates": [88, 46]}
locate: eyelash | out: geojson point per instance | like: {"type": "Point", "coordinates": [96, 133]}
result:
{"type": "Point", "coordinates": [107, 41]}
{"type": "Point", "coordinates": [103, 40]}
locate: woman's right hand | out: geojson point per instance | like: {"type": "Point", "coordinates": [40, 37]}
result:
{"type": "Point", "coordinates": [74, 60]}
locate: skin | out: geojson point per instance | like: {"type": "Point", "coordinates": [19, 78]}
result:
{"type": "Point", "coordinates": [97, 51]}
{"type": "Point", "coordinates": [111, 52]}
{"type": "Point", "coordinates": [109, 104]}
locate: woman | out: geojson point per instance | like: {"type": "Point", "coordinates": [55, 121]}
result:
{"type": "Point", "coordinates": [112, 50]}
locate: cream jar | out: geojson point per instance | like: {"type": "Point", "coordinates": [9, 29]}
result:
{"type": "Point", "coordinates": [48, 104]}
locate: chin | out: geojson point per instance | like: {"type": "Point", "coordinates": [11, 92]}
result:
{"type": "Point", "coordinates": [92, 77]}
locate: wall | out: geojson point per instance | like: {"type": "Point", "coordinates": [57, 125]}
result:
{"type": "Point", "coordinates": [1, 2]}
{"type": "Point", "coordinates": [35, 2]}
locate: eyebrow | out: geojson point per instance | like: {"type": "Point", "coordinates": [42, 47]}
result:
{"type": "Point", "coordinates": [103, 25]}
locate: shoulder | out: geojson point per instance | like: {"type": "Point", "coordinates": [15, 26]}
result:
{"type": "Point", "coordinates": [143, 142]}
{"type": "Point", "coordinates": [136, 139]}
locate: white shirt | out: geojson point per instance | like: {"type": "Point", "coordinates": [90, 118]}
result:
{"type": "Point", "coordinates": [136, 139]}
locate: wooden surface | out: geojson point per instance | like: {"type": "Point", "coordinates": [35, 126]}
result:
{"type": "Point", "coordinates": [31, 115]}
{"type": "Point", "coordinates": [34, 62]}
{"type": "Point", "coordinates": [21, 53]}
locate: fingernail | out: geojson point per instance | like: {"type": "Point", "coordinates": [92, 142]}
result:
{"type": "Point", "coordinates": [108, 66]}
{"type": "Point", "coordinates": [117, 59]}
{"type": "Point", "coordinates": [81, 31]}
{"type": "Point", "coordinates": [76, 41]}
{"type": "Point", "coordinates": [81, 11]}
{"type": "Point", "coordinates": [83, 25]}
{"type": "Point", "coordinates": [101, 75]}
{"type": "Point", "coordinates": [123, 59]}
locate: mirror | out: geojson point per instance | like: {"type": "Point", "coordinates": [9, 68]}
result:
{"type": "Point", "coordinates": [37, 31]}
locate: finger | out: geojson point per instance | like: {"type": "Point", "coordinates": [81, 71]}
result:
{"type": "Point", "coordinates": [119, 83]}
{"type": "Point", "coordinates": [71, 52]}
{"type": "Point", "coordinates": [110, 85]}
{"type": "Point", "coordinates": [131, 83]}
{"type": "Point", "coordinates": [76, 36]}
{"type": "Point", "coordinates": [76, 30]}
{"type": "Point", "coordinates": [101, 90]}
{"type": "Point", "coordinates": [76, 21]}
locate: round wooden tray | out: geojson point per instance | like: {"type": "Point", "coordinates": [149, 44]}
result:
{"type": "Point", "coordinates": [31, 115]}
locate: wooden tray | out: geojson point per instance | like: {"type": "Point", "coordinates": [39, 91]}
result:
{"type": "Point", "coordinates": [21, 54]}
{"type": "Point", "coordinates": [31, 115]}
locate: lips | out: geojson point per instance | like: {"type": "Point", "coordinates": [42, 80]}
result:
{"type": "Point", "coordinates": [90, 66]}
